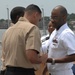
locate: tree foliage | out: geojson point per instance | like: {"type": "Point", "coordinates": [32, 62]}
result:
{"type": "Point", "coordinates": [71, 17]}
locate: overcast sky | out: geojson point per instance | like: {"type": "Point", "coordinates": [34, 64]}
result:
{"type": "Point", "coordinates": [48, 5]}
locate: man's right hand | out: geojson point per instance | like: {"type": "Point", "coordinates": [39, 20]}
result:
{"type": "Point", "coordinates": [44, 58]}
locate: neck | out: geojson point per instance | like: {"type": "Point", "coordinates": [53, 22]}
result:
{"type": "Point", "coordinates": [27, 17]}
{"type": "Point", "coordinates": [60, 26]}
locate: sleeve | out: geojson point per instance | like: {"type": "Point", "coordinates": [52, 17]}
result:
{"type": "Point", "coordinates": [3, 52]}
{"type": "Point", "coordinates": [3, 67]}
{"type": "Point", "coordinates": [34, 39]}
{"type": "Point", "coordinates": [69, 43]}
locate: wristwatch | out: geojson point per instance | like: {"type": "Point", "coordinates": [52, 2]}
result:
{"type": "Point", "coordinates": [53, 61]}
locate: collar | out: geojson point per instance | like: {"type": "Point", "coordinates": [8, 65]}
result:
{"type": "Point", "coordinates": [63, 27]}
{"type": "Point", "coordinates": [23, 19]}
{"type": "Point", "coordinates": [11, 24]}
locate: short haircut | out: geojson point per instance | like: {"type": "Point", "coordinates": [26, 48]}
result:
{"type": "Point", "coordinates": [31, 8]}
{"type": "Point", "coordinates": [16, 13]}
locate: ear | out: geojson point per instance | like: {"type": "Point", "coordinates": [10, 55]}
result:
{"type": "Point", "coordinates": [36, 14]}
{"type": "Point", "coordinates": [64, 16]}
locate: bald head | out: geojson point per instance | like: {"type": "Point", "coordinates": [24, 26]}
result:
{"type": "Point", "coordinates": [61, 9]}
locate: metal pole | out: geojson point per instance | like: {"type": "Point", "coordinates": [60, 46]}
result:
{"type": "Point", "coordinates": [8, 16]}
{"type": "Point", "coordinates": [44, 29]}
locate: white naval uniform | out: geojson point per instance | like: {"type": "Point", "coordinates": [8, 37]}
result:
{"type": "Point", "coordinates": [43, 38]}
{"type": "Point", "coordinates": [62, 43]}
{"type": "Point", "coordinates": [45, 44]}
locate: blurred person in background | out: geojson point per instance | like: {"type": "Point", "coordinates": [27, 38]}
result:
{"type": "Point", "coordinates": [45, 42]}
{"type": "Point", "coordinates": [50, 29]}
{"type": "Point", "coordinates": [73, 68]}
{"type": "Point", "coordinates": [45, 46]}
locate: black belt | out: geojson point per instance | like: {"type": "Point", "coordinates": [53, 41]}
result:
{"type": "Point", "coordinates": [2, 72]}
{"type": "Point", "coordinates": [19, 69]}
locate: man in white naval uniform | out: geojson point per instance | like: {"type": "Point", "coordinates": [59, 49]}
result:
{"type": "Point", "coordinates": [62, 44]}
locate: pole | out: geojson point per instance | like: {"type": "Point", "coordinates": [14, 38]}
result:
{"type": "Point", "coordinates": [44, 29]}
{"type": "Point", "coordinates": [8, 16]}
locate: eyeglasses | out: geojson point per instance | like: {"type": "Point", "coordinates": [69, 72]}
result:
{"type": "Point", "coordinates": [54, 17]}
